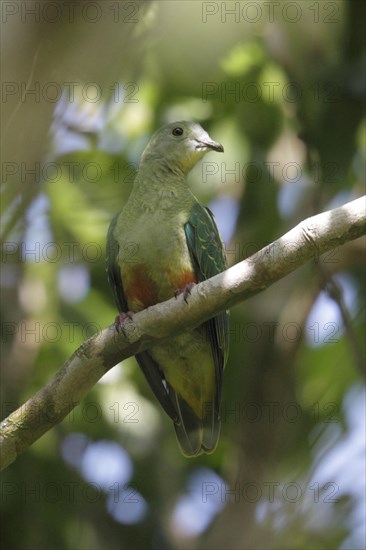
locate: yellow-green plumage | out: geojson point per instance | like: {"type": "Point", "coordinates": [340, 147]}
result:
{"type": "Point", "coordinates": [162, 241]}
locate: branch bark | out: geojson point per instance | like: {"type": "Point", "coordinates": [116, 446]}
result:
{"type": "Point", "coordinates": [307, 241]}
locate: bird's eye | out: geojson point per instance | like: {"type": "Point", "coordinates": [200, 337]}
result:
{"type": "Point", "coordinates": [177, 131]}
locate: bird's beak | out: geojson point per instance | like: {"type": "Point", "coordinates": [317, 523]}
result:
{"type": "Point", "coordinates": [210, 144]}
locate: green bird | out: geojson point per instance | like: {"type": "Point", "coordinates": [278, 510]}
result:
{"type": "Point", "coordinates": [161, 244]}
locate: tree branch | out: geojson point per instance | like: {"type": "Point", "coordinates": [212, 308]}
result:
{"type": "Point", "coordinates": [307, 241]}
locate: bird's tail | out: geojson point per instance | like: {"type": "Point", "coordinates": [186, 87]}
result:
{"type": "Point", "coordinates": [197, 435]}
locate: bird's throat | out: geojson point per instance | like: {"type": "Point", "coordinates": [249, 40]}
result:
{"type": "Point", "coordinates": [159, 188]}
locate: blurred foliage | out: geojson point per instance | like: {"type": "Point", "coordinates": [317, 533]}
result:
{"type": "Point", "coordinates": [282, 86]}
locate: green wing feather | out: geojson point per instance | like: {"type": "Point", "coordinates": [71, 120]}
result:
{"type": "Point", "coordinates": [112, 267]}
{"type": "Point", "coordinates": [197, 435]}
{"type": "Point", "coordinates": [208, 257]}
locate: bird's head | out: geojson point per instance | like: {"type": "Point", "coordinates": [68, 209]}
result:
{"type": "Point", "coordinates": [180, 145]}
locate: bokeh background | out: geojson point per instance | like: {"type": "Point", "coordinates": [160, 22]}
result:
{"type": "Point", "coordinates": [281, 85]}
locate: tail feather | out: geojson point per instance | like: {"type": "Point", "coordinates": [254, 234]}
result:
{"type": "Point", "coordinates": [211, 431]}
{"type": "Point", "coordinates": [196, 435]}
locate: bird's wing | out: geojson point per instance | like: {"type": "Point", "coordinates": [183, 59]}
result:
{"type": "Point", "coordinates": [112, 267]}
{"type": "Point", "coordinates": [150, 369]}
{"type": "Point", "coordinates": [208, 257]}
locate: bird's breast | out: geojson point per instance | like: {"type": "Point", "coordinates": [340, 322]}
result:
{"type": "Point", "coordinates": [161, 265]}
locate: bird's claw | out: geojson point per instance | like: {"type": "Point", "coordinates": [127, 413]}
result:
{"type": "Point", "coordinates": [186, 291]}
{"type": "Point", "coordinates": [120, 319]}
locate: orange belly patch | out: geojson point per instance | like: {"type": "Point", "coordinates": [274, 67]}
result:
{"type": "Point", "coordinates": [181, 279]}
{"type": "Point", "coordinates": [141, 291]}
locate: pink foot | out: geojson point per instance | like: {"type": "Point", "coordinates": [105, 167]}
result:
{"type": "Point", "coordinates": [119, 320]}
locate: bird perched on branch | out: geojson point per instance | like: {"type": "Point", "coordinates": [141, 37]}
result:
{"type": "Point", "coordinates": [161, 244]}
